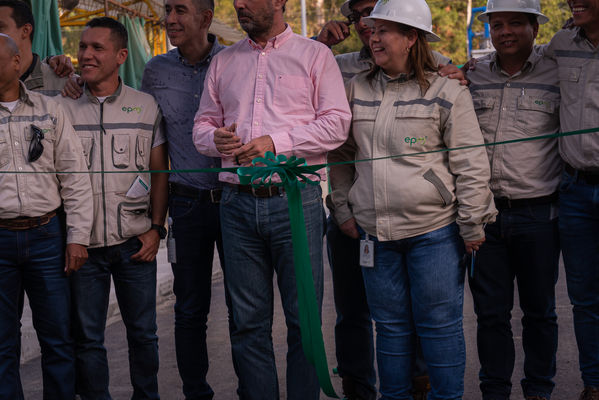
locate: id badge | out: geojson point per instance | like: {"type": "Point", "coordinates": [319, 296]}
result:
{"type": "Point", "coordinates": [367, 253]}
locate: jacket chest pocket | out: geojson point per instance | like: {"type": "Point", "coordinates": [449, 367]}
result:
{"type": "Point", "coordinates": [142, 152]}
{"type": "Point", "coordinates": [536, 115]}
{"type": "Point", "coordinates": [415, 129]}
{"type": "Point", "coordinates": [120, 151]}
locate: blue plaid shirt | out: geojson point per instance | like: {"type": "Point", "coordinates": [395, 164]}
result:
{"type": "Point", "coordinates": [177, 86]}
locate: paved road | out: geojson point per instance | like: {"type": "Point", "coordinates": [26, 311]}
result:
{"type": "Point", "coordinates": [222, 377]}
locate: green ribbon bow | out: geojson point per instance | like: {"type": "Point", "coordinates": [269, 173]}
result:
{"type": "Point", "coordinates": [294, 175]}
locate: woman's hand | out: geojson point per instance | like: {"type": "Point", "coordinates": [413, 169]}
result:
{"type": "Point", "coordinates": [350, 228]}
{"type": "Point", "coordinates": [475, 245]}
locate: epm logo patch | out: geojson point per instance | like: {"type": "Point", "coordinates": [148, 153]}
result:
{"type": "Point", "coordinates": [131, 109]}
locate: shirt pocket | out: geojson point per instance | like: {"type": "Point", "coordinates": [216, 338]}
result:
{"type": "Point", "coordinates": [46, 160]}
{"type": "Point", "coordinates": [4, 152]}
{"type": "Point", "coordinates": [570, 80]}
{"type": "Point", "coordinates": [132, 219]}
{"type": "Point", "coordinates": [415, 130]}
{"type": "Point", "coordinates": [142, 152]}
{"type": "Point", "coordinates": [120, 151]}
{"type": "Point", "coordinates": [293, 94]}
{"type": "Point", "coordinates": [485, 108]}
{"type": "Point", "coordinates": [536, 115]}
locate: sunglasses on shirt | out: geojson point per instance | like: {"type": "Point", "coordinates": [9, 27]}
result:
{"type": "Point", "coordinates": [36, 148]}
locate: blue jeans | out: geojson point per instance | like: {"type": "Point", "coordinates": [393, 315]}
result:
{"type": "Point", "coordinates": [257, 243]}
{"type": "Point", "coordinates": [33, 260]}
{"type": "Point", "coordinates": [579, 235]}
{"type": "Point", "coordinates": [417, 288]}
{"type": "Point", "coordinates": [523, 243]}
{"type": "Point", "coordinates": [196, 228]}
{"type": "Point", "coordinates": [135, 287]}
{"type": "Point", "coordinates": [354, 343]}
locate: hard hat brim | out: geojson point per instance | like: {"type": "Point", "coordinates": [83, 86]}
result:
{"type": "Point", "coordinates": [429, 35]}
{"type": "Point", "coordinates": [541, 18]}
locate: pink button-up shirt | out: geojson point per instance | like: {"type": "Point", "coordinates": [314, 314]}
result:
{"type": "Point", "coordinates": [291, 90]}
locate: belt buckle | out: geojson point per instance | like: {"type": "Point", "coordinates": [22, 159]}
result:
{"type": "Point", "coordinates": [215, 195]}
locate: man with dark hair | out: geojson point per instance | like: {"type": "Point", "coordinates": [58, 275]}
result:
{"type": "Point", "coordinates": [515, 92]}
{"type": "Point", "coordinates": [176, 80]}
{"type": "Point", "coordinates": [37, 139]}
{"type": "Point", "coordinates": [272, 91]}
{"type": "Point", "coordinates": [16, 20]}
{"type": "Point", "coordinates": [119, 129]}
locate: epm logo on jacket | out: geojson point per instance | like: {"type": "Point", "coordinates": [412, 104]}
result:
{"type": "Point", "coordinates": [132, 109]}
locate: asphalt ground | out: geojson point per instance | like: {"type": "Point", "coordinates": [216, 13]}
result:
{"type": "Point", "coordinates": [222, 377]}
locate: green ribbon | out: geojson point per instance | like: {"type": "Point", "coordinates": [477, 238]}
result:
{"type": "Point", "coordinates": [294, 175]}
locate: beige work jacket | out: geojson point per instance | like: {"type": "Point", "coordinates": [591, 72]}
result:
{"type": "Point", "coordinates": [43, 80]}
{"type": "Point", "coordinates": [117, 135]}
{"type": "Point", "coordinates": [520, 106]}
{"type": "Point", "coordinates": [403, 197]}
{"type": "Point", "coordinates": [33, 191]}
{"type": "Point", "coordinates": [578, 68]}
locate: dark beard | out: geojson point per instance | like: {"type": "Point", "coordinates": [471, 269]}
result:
{"type": "Point", "coordinates": [258, 25]}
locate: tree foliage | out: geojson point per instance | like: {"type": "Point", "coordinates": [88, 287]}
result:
{"type": "Point", "coordinates": [449, 22]}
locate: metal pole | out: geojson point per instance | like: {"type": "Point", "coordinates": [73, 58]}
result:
{"type": "Point", "coordinates": [304, 28]}
{"type": "Point", "coordinates": [106, 8]}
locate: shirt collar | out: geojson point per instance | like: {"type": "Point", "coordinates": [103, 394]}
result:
{"type": "Point", "coordinates": [23, 94]}
{"type": "Point", "coordinates": [365, 55]}
{"type": "Point", "coordinates": [530, 63]}
{"type": "Point", "coordinates": [274, 42]}
{"type": "Point", "coordinates": [216, 46]}
{"type": "Point", "coordinates": [109, 99]}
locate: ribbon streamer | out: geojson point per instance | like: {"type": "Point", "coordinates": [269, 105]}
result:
{"type": "Point", "coordinates": [294, 175]}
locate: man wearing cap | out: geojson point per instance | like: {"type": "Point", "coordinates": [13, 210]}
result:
{"type": "Point", "coordinates": [272, 91]}
{"type": "Point", "coordinates": [353, 328]}
{"type": "Point", "coordinates": [36, 141]}
{"type": "Point", "coordinates": [515, 91]}
{"type": "Point", "coordinates": [577, 54]}
{"type": "Point", "coordinates": [120, 130]}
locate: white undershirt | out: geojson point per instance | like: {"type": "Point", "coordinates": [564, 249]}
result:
{"type": "Point", "coordinates": [10, 104]}
{"type": "Point", "coordinates": [101, 98]}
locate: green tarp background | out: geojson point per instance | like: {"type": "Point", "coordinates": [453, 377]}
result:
{"type": "Point", "coordinates": [46, 38]}
{"type": "Point", "coordinates": [139, 51]}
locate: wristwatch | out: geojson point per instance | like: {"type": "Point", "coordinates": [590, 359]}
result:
{"type": "Point", "coordinates": [161, 230]}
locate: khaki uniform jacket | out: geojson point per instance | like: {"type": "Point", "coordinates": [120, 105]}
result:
{"type": "Point", "coordinates": [403, 197]}
{"type": "Point", "coordinates": [43, 80]}
{"type": "Point", "coordinates": [578, 68]}
{"type": "Point", "coordinates": [519, 107]}
{"type": "Point", "coordinates": [116, 135]}
{"type": "Point", "coordinates": [33, 194]}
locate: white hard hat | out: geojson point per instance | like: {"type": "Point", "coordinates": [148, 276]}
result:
{"type": "Point", "coordinates": [414, 13]}
{"type": "Point", "coordinates": [523, 6]}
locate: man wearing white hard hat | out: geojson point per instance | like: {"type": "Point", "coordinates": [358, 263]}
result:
{"type": "Point", "coordinates": [516, 95]}
{"type": "Point", "coordinates": [419, 214]}
{"type": "Point", "coordinates": [577, 54]}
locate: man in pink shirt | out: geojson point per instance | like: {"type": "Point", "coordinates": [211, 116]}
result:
{"type": "Point", "coordinates": [272, 91]}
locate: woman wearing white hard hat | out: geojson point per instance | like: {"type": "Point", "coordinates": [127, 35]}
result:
{"type": "Point", "coordinates": [420, 213]}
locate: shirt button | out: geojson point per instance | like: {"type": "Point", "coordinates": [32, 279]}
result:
{"type": "Point", "coordinates": [16, 143]}
{"type": "Point", "coordinates": [260, 76]}
{"type": "Point", "coordinates": [195, 95]}
{"type": "Point", "coordinates": [503, 108]}
{"type": "Point", "coordinates": [258, 100]}
{"type": "Point", "coordinates": [195, 72]}
{"type": "Point", "coordinates": [263, 54]}
{"type": "Point", "coordinates": [20, 168]}
{"type": "Point", "coordinates": [256, 123]}
{"type": "Point", "coordinates": [508, 84]}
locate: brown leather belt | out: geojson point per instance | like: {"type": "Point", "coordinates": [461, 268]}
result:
{"type": "Point", "coordinates": [24, 223]}
{"type": "Point", "coordinates": [261, 191]}
{"type": "Point", "coordinates": [203, 195]}
{"type": "Point", "coordinates": [592, 178]}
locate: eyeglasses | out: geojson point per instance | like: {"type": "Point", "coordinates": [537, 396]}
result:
{"type": "Point", "coordinates": [356, 16]}
{"type": "Point", "coordinates": [36, 148]}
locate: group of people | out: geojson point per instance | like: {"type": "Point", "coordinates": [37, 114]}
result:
{"type": "Point", "coordinates": [401, 233]}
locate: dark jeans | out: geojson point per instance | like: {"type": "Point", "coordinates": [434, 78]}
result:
{"type": "Point", "coordinates": [257, 243]}
{"type": "Point", "coordinates": [135, 287]}
{"type": "Point", "coordinates": [196, 228]}
{"type": "Point", "coordinates": [353, 329]}
{"type": "Point", "coordinates": [33, 260]}
{"type": "Point", "coordinates": [522, 244]}
{"type": "Point", "coordinates": [579, 234]}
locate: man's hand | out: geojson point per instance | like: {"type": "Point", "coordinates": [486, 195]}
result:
{"type": "Point", "coordinates": [475, 245]}
{"type": "Point", "coordinates": [453, 72]}
{"type": "Point", "coordinates": [75, 257]}
{"type": "Point", "coordinates": [470, 65]}
{"type": "Point", "coordinates": [149, 246]}
{"type": "Point", "coordinates": [333, 32]}
{"type": "Point", "coordinates": [61, 65]}
{"type": "Point", "coordinates": [350, 228]}
{"type": "Point", "coordinates": [73, 88]}
{"type": "Point", "coordinates": [226, 141]}
{"type": "Point", "coordinates": [255, 148]}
